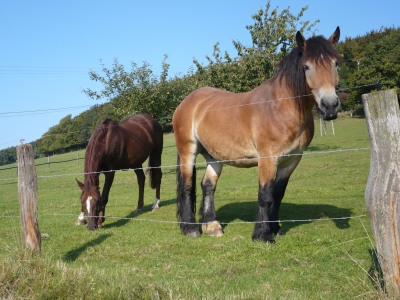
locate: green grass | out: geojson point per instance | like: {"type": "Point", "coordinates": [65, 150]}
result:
{"type": "Point", "coordinates": [146, 257]}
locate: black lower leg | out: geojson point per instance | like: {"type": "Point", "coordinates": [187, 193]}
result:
{"type": "Point", "coordinates": [262, 227]}
{"type": "Point", "coordinates": [207, 208]}
{"type": "Point", "coordinates": [186, 206]}
{"type": "Point", "coordinates": [279, 191]}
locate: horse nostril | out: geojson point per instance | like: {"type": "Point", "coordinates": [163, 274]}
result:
{"type": "Point", "coordinates": [324, 105]}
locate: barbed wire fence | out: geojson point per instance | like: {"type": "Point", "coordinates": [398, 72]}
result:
{"type": "Point", "coordinates": [378, 84]}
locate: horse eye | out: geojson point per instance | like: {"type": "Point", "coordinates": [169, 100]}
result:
{"type": "Point", "coordinates": [336, 64]}
{"type": "Point", "coordinates": [305, 67]}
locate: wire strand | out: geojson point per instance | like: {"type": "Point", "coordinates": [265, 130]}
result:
{"type": "Point", "coordinates": [200, 223]}
{"type": "Point", "coordinates": [202, 163]}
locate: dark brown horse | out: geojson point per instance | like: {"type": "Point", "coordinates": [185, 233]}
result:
{"type": "Point", "coordinates": [267, 127]}
{"type": "Point", "coordinates": [114, 146]}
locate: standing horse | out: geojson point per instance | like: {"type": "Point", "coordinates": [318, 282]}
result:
{"type": "Point", "coordinates": [268, 127]}
{"type": "Point", "coordinates": [114, 146]}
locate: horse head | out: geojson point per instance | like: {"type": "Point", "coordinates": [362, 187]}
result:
{"type": "Point", "coordinates": [320, 61]}
{"type": "Point", "coordinates": [91, 204]}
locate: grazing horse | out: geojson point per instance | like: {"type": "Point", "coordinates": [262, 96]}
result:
{"type": "Point", "coordinates": [269, 127]}
{"type": "Point", "coordinates": [114, 146]}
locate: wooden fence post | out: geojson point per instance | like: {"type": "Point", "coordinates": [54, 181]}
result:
{"type": "Point", "coordinates": [27, 191]}
{"type": "Point", "coordinates": [382, 194]}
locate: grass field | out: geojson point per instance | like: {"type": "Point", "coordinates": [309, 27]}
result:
{"type": "Point", "coordinates": [146, 257]}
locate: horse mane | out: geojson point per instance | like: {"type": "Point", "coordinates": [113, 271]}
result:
{"type": "Point", "coordinates": [318, 49]}
{"type": "Point", "coordinates": [95, 151]}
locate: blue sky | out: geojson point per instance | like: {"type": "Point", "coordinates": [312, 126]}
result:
{"type": "Point", "coordinates": [48, 47]}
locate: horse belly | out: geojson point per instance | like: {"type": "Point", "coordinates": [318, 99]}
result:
{"type": "Point", "coordinates": [231, 151]}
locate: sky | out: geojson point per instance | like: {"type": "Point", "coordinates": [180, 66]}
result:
{"type": "Point", "coordinates": [48, 47]}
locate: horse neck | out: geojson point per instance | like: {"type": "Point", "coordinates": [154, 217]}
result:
{"type": "Point", "coordinates": [93, 156]}
{"type": "Point", "coordinates": [279, 93]}
{"type": "Point", "coordinates": [91, 177]}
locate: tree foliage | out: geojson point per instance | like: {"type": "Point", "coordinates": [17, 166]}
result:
{"type": "Point", "coordinates": [367, 60]}
{"type": "Point", "coordinates": [273, 37]}
{"type": "Point", "coordinates": [140, 90]}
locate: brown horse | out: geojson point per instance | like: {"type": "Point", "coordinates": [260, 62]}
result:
{"type": "Point", "coordinates": [113, 146]}
{"type": "Point", "coordinates": [267, 127]}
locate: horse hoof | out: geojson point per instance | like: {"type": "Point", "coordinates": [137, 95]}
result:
{"type": "Point", "coordinates": [279, 233]}
{"type": "Point", "coordinates": [267, 239]}
{"type": "Point", "coordinates": [212, 229]}
{"type": "Point", "coordinates": [155, 205]}
{"type": "Point", "coordinates": [138, 211]}
{"type": "Point", "coordinates": [193, 234]}
{"type": "Point", "coordinates": [80, 222]}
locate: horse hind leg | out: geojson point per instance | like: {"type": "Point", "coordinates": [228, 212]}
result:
{"type": "Point", "coordinates": [186, 196]}
{"type": "Point", "coordinates": [155, 174]}
{"type": "Point", "coordinates": [141, 179]}
{"type": "Point", "coordinates": [210, 225]}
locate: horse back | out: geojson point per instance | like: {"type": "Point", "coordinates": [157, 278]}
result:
{"type": "Point", "coordinates": [133, 139]}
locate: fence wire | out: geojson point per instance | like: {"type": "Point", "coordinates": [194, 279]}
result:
{"type": "Point", "coordinates": [204, 163]}
{"type": "Point", "coordinates": [200, 223]}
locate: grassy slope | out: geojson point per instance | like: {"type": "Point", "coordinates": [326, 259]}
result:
{"type": "Point", "coordinates": [131, 258]}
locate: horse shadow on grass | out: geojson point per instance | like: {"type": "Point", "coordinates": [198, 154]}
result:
{"type": "Point", "coordinates": [291, 215]}
{"type": "Point", "coordinates": [74, 254]}
{"type": "Point", "coordinates": [146, 209]}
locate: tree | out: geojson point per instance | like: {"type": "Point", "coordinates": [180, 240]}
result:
{"type": "Point", "coordinates": [140, 91]}
{"type": "Point", "coordinates": [8, 156]}
{"type": "Point", "coordinates": [273, 37]}
{"type": "Point", "coordinates": [367, 59]}
{"type": "Point", "coordinates": [132, 92]}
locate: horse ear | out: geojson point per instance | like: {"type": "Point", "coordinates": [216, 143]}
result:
{"type": "Point", "coordinates": [301, 41]}
{"type": "Point", "coordinates": [80, 184]}
{"type": "Point", "coordinates": [334, 39]}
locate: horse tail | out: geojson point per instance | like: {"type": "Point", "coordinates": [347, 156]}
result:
{"type": "Point", "coordinates": [180, 191]}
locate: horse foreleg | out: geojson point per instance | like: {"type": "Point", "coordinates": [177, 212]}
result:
{"type": "Point", "coordinates": [279, 191]}
{"type": "Point", "coordinates": [210, 225]}
{"type": "Point", "coordinates": [141, 179]}
{"type": "Point", "coordinates": [266, 174]}
{"type": "Point", "coordinates": [81, 219]}
{"type": "Point", "coordinates": [281, 181]}
{"type": "Point", "coordinates": [109, 178]}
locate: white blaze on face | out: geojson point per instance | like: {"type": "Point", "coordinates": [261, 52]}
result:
{"type": "Point", "coordinates": [88, 204]}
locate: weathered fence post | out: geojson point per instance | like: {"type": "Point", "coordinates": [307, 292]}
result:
{"type": "Point", "coordinates": [27, 191]}
{"type": "Point", "coordinates": [382, 194]}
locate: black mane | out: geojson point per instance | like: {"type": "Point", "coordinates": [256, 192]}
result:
{"type": "Point", "coordinates": [95, 151]}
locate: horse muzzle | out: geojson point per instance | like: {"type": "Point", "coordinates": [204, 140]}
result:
{"type": "Point", "coordinates": [329, 108]}
{"type": "Point", "coordinates": [92, 227]}
{"type": "Point", "coordinates": [92, 224]}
